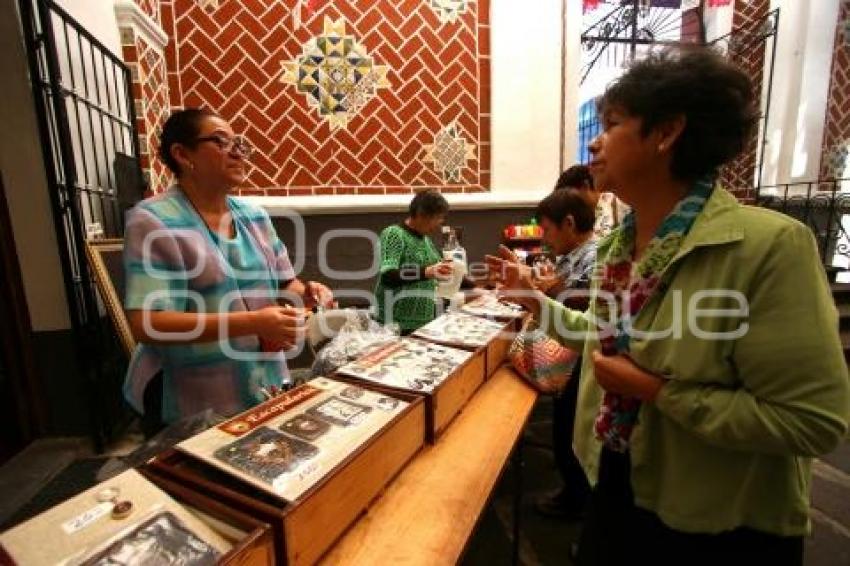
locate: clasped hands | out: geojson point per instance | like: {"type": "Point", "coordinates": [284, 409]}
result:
{"type": "Point", "coordinates": [282, 327]}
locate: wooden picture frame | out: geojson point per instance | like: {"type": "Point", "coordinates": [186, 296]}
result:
{"type": "Point", "coordinates": [105, 257]}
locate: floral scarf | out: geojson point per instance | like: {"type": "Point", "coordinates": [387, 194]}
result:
{"type": "Point", "coordinates": [631, 284]}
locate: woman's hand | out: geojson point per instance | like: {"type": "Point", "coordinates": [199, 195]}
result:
{"type": "Point", "coordinates": [281, 326]}
{"type": "Point", "coordinates": [507, 254]}
{"type": "Point", "coordinates": [441, 270]}
{"type": "Point", "coordinates": [619, 374]}
{"type": "Point", "coordinates": [318, 294]}
{"type": "Point", "coordinates": [516, 284]}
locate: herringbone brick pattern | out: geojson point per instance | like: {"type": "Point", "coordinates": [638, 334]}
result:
{"type": "Point", "coordinates": [157, 108]}
{"type": "Point", "coordinates": [229, 58]}
{"type": "Point", "coordinates": [739, 175]}
{"type": "Point", "coordinates": [836, 133]}
{"type": "Point", "coordinates": [150, 7]}
{"type": "Point", "coordinates": [150, 91]}
{"type": "Point", "coordinates": [175, 93]}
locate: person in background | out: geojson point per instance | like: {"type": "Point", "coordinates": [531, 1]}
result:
{"type": "Point", "coordinates": [713, 372]}
{"type": "Point", "coordinates": [203, 270]}
{"type": "Point", "coordinates": [610, 210]}
{"type": "Point", "coordinates": [567, 219]}
{"type": "Point", "coordinates": [410, 264]}
{"type": "Point", "coordinates": [608, 213]}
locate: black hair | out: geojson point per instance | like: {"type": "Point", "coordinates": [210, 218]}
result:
{"type": "Point", "coordinates": [182, 127]}
{"type": "Point", "coordinates": [575, 177]}
{"type": "Point", "coordinates": [714, 96]}
{"type": "Point", "coordinates": [428, 203]}
{"type": "Point", "coordinates": [568, 202]}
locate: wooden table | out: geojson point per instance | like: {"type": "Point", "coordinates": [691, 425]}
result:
{"type": "Point", "coordinates": [427, 514]}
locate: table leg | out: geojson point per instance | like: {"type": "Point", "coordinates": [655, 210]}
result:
{"type": "Point", "coordinates": [518, 464]}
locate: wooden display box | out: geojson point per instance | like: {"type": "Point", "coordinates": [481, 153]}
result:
{"type": "Point", "coordinates": [497, 350]}
{"type": "Point", "coordinates": [494, 352]}
{"type": "Point", "coordinates": [306, 527]}
{"type": "Point", "coordinates": [81, 528]}
{"type": "Point", "coordinates": [446, 400]}
{"type": "Point", "coordinates": [252, 539]}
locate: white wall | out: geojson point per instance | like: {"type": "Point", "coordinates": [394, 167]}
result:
{"type": "Point", "coordinates": [572, 76]}
{"type": "Point", "coordinates": [25, 182]}
{"type": "Point", "coordinates": [800, 88]}
{"type": "Point", "coordinates": [23, 167]}
{"type": "Point", "coordinates": [98, 17]}
{"type": "Point", "coordinates": [526, 94]}
{"type": "Point", "coordinates": [718, 21]}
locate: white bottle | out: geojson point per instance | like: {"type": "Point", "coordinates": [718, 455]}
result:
{"type": "Point", "coordinates": [453, 252]}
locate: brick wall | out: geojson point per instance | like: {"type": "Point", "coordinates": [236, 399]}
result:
{"type": "Point", "coordinates": [151, 8]}
{"type": "Point", "coordinates": [739, 175]}
{"type": "Point", "coordinates": [150, 92]}
{"type": "Point", "coordinates": [836, 136]}
{"type": "Point", "coordinates": [338, 97]}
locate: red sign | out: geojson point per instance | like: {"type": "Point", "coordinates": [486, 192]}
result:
{"type": "Point", "coordinates": [250, 420]}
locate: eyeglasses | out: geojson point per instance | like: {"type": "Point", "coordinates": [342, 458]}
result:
{"type": "Point", "coordinates": [237, 144]}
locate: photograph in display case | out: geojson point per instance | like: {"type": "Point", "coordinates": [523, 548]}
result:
{"type": "Point", "coordinates": [124, 520]}
{"type": "Point", "coordinates": [266, 454]}
{"type": "Point", "coordinates": [462, 330]}
{"type": "Point", "coordinates": [287, 444]}
{"type": "Point", "coordinates": [489, 306]}
{"type": "Point", "coordinates": [407, 364]}
{"type": "Point", "coordinates": [340, 411]}
{"type": "Point", "coordinates": [161, 540]}
{"type": "Point", "coordinates": [305, 427]}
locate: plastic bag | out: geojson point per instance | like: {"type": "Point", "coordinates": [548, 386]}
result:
{"type": "Point", "coordinates": [356, 335]}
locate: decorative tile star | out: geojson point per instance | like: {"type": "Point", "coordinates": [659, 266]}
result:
{"type": "Point", "coordinates": [449, 10]}
{"type": "Point", "coordinates": [336, 74]}
{"type": "Point", "coordinates": [449, 153]}
{"type": "Point", "coordinates": [836, 160]}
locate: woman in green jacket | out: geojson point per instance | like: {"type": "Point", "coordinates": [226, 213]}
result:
{"type": "Point", "coordinates": [410, 264]}
{"type": "Point", "coordinates": [713, 370]}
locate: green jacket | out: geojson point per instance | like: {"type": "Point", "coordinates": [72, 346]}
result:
{"type": "Point", "coordinates": [729, 440]}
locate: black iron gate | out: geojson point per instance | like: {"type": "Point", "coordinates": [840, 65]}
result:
{"type": "Point", "coordinates": [629, 30]}
{"type": "Point", "coordinates": [632, 27]}
{"type": "Point", "coordinates": [87, 124]}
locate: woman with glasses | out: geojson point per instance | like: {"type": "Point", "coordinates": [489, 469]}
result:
{"type": "Point", "coordinates": [713, 371]}
{"type": "Point", "coordinates": [211, 296]}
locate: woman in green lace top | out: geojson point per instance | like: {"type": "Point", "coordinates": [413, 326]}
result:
{"type": "Point", "coordinates": [411, 264]}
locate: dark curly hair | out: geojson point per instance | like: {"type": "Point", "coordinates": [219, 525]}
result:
{"type": "Point", "coordinates": [564, 202]}
{"type": "Point", "coordinates": [183, 127]}
{"type": "Point", "coordinates": [575, 177]}
{"type": "Point", "coordinates": [428, 203]}
{"type": "Point", "coordinates": [714, 96]}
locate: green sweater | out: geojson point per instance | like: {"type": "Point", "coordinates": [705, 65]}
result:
{"type": "Point", "coordinates": [413, 302]}
{"type": "Point", "coordinates": [730, 439]}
